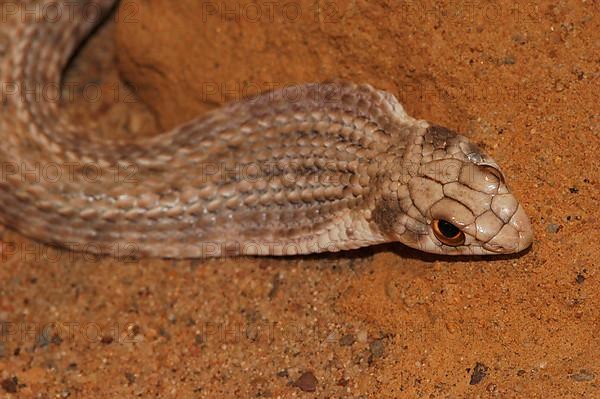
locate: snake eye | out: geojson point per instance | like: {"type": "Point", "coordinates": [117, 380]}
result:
{"type": "Point", "coordinates": [448, 233]}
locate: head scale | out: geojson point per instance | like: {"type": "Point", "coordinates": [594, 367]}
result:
{"type": "Point", "coordinates": [453, 199]}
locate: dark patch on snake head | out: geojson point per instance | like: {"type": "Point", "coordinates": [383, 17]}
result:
{"type": "Point", "coordinates": [386, 215]}
{"type": "Point", "coordinates": [438, 136]}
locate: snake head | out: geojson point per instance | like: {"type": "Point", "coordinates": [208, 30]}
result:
{"type": "Point", "coordinates": [454, 200]}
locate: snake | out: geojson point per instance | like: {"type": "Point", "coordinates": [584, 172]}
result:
{"type": "Point", "coordinates": [308, 168]}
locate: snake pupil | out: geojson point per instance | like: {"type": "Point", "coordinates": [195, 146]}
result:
{"type": "Point", "coordinates": [448, 229]}
{"type": "Point", "coordinates": [448, 233]}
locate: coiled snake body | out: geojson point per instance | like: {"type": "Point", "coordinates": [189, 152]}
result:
{"type": "Point", "coordinates": [310, 168]}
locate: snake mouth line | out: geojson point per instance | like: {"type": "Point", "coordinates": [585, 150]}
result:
{"type": "Point", "coordinates": [499, 249]}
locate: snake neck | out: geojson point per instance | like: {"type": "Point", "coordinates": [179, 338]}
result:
{"type": "Point", "coordinates": [392, 214]}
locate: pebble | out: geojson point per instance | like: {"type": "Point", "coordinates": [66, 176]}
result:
{"type": "Point", "coordinates": [583, 376]}
{"type": "Point", "coordinates": [342, 382]}
{"type": "Point", "coordinates": [347, 340]}
{"type": "Point", "coordinates": [559, 86]}
{"type": "Point", "coordinates": [509, 60]}
{"type": "Point", "coordinates": [362, 336]}
{"type": "Point", "coordinates": [283, 373]}
{"type": "Point", "coordinates": [552, 228]}
{"type": "Point", "coordinates": [451, 327]}
{"type": "Point", "coordinates": [362, 357]}
{"type": "Point", "coordinates": [106, 340]}
{"type": "Point", "coordinates": [332, 337]}
{"type": "Point", "coordinates": [377, 348]}
{"type": "Point", "coordinates": [307, 382]}
{"type": "Point", "coordinates": [580, 279]}
{"type": "Point", "coordinates": [10, 385]}
{"type": "Point", "coordinates": [479, 372]}
{"type": "Point", "coordinates": [492, 388]}
{"type": "Point", "coordinates": [519, 38]}
{"type": "Point", "coordinates": [275, 284]}
{"type": "Point", "coordinates": [131, 378]}
{"type": "Point", "coordinates": [43, 339]}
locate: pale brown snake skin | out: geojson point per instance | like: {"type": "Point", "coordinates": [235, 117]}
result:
{"type": "Point", "coordinates": [311, 168]}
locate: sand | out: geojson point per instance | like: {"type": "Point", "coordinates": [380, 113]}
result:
{"type": "Point", "coordinates": [384, 322]}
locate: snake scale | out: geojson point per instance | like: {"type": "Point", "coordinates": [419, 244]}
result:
{"type": "Point", "coordinates": [305, 169]}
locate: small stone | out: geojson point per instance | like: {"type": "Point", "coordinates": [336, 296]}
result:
{"type": "Point", "coordinates": [451, 327]}
{"type": "Point", "coordinates": [252, 333]}
{"type": "Point", "coordinates": [491, 388]}
{"type": "Point", "coordinates": [521, 372]}
{"type": "Point", "coordinates": [10, 385]}
{"type": "Point", "coordinates": [519, 38]}
{"type": "Point", "coordinates": [362, 336]}
{"type": "Point", "coordinates": [259, 384]}
{"type": "Point", "coordinates": [362, 356]}
{"type": "Point", "coordinates": [134, 329]}
{"type": "Point", "coordinates": [164, 333]}
{"type": "Point", "coordinates": [479, 372]}
{"type": "Point", "coordinates": [307, 382]}
{"type": "Point", "coordinates": [559, 86]}
{"type": "Point", "coordinates": [342, 382]}
{"type": "Point", "coordinates": [583, 376]}
{"type": "Point", "coordinates": [131, 378]}
{"type": "Point", "coordinates": [573, 190]}
{"type": "Point", "coordinates": [56, 339]}
{"type": "Point", "coordinates": [332, 337]}
{"type": "Point", "coordinates": [275, 284]}
{"type": "Point", "coordinates": [347, 340]}
{"type": "Point", "coordinates": [580, 279]}
{"type": "Point", "coordinates": [377, 348]}
{"type": "Point", "coordinates": [283, 373]}
{"type": "Point", "coordinates": [509, 60]}
{"type": "Point", "coordinates": [552, 228]}
{"type": "Point", "coordinates": [107, 340]}
{"type": "Point", "coordinates": [43, 339]}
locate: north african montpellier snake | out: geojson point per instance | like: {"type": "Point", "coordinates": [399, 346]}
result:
{"type": "Point", "coordinates": [310, 168]}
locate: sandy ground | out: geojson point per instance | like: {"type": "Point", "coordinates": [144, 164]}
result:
{"type": "Point", "coordinates": [385, 322]}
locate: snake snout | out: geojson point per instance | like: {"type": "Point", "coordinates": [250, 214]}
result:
{"type": "Point", "coordinates": [515, 236]}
